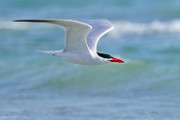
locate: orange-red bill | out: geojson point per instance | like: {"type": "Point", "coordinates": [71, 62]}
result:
{"type": "Point", "coordinates": [117, 60]}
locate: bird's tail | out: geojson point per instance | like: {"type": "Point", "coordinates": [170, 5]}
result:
{"type": "Point", "coordinates": [50, 52]}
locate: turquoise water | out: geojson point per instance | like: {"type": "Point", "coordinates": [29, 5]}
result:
{"type": "Point", "coordinates": [42, 87]}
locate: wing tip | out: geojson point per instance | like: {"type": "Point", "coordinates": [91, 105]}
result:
{"type": "Point", "coordinates": [16, 20]}
{"type": "Point", "coordinates": [23, 20]}
{"type": "Point", "coordinates": [30, 20]}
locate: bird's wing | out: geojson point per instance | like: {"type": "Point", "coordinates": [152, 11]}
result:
{"type": "Point", "coordinates": [99, 28]}
{"type": "Point", "coordinates": [76, 33]}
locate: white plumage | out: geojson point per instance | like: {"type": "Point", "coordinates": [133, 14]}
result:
{"type": "Point", "coordinates": [81, 41]}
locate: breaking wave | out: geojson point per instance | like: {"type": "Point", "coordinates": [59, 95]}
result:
{"type": "Point", "coordinates": [10, 25]}
{"type": "Point", "coordinates": [126, 27]}
{"type": "Point", "coordinates": [120, 27]}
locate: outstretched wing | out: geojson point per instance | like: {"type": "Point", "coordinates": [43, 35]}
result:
{"type": "Point", "coordinates": [99, 28]}
{"type": "Point", "coordinates": [76, 33]}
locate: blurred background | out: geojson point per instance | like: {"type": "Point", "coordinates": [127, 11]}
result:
{"type": "Point", "coordinates": [42, 87]}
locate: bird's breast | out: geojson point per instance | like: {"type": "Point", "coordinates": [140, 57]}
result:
{"type": "Point", "coordinates": [82, 58]}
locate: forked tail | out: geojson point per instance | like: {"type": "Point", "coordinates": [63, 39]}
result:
{"type": "Point", "coordinates": [50, 52]}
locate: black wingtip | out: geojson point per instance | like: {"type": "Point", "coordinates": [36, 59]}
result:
{"type": "Point", "coordinates": [17, 20]}
{"type": "Point", "coordinates": [24, 20]}
{"type": "Point", "coordinates": [31, 20]}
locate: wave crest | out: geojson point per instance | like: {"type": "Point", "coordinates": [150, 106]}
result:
{"type": "Point", "coordinates": [126, 27]}
{"type": "Point", "coordinates": [120, 27]}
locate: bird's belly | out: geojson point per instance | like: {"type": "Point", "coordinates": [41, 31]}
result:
{"type": "Point", "coordinates": [81, 59]}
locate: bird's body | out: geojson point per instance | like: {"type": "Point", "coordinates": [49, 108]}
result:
{"type": "Point", "coordinates": [78, 58]}
{"type": "Point", "coordinates": [81, 41]}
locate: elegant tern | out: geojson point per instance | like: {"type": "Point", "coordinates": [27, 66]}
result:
{"type": "Point", "coordinates": [81, 41]}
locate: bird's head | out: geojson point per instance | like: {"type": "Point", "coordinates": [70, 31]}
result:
{"type": "Point", "coordinates": [110, 58]}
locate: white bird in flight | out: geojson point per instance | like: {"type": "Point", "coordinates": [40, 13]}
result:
{"type": "Point", "coordinates": [81, 41]}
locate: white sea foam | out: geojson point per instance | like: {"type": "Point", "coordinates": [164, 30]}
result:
{"type": "Point", "coordinates": [10, 25]}
{"type": "Point", "coordinates": [120, 27]}
{"type": "Point", "coordinates": [125, 28]}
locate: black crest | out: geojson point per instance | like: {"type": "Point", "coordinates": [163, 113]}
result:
{"type": "Point", "coordinates": [104, 55]}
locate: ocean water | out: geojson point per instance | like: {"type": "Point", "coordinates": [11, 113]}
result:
{"type": "Point", "coordinates": [35, 86]}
